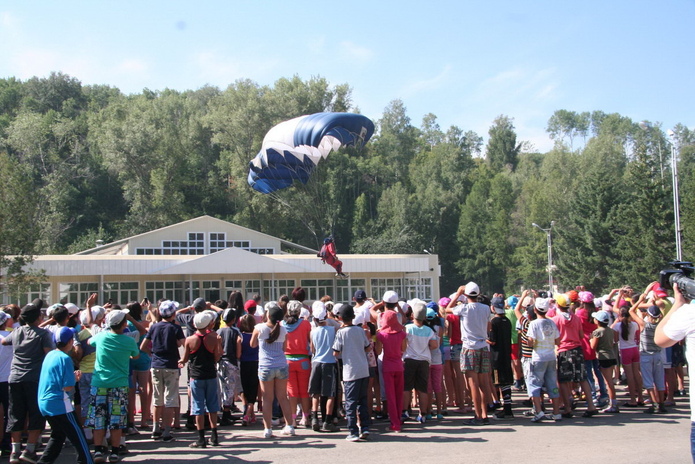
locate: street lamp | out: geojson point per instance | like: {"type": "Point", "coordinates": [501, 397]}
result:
{"type": "Point", "coordinates": [676, 195]}
{"type": "Point", "coordinates": [550, 252]}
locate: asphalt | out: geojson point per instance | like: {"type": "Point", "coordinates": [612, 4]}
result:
{"type": "Point", "coordinates": [631, 436]}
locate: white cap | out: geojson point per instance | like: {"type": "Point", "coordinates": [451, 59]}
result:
{"type": "Point", "coordinates": [542, 304]}
{"type": "Point", "coordinates": [318, 310]}
{"type": "Point", "coordinates": [72, 308]}
{"type": "Point", "coordinates": [203, 319]}
{"type": "Point", "coordinates": [471, 289]}
{"type": "Point", "coordinates": [115, 317]}
{"type": "Point", "coordinates": [461, 298]}
{"type": "Point", "coordinates": [390, 297]}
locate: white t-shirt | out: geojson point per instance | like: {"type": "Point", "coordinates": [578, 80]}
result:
{"type": "Point", "coordinates": [681, 326]}
{"type": "Point", "coordinates": [474, 320]}
{"type": "Point", "coordinates": [544, 332]}
{"type": "Point", "coordinates": [632, 337]}
{"type": "Point", "coordinates": [418, 342]}
{"type": "Point", "coordinates": [362, 314]}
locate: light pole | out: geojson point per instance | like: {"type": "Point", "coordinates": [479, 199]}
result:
{"type": "Point", "coordinates": [550, 252]}
{"type": "Point", "coordinates": [676, 195]}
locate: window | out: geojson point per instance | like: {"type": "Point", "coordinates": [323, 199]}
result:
{"type": "Point", "coordinates": [28, 294]}
{"type": "Point", "coordinates": [78, 292]}
{"type": "Point", "coordinates": [380, 286]}
{"type": "Point", "coordinates": [344, 292]}
{"type": "Point", "coordinates": [211, 290]}
{"type": "Point", "coordinates": [273, 289]}
{"type": "Point", "coordinates": [156, 291]}
{"type": "Point", "coordinates": [195, 245]}
{"type": "Point", "coordinates": [251, 287]}
{"type": "Point", "coordinates": [191, 291]}
{"type": "Point", "coordinates": [121, 293]}
{"type": "Point", "coordinates": [315, 289]}
{"type": "Point", "coordinates": [418, 288]}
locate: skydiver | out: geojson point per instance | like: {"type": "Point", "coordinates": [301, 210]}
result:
{"type": "Point", "coordinates": [328, 256]}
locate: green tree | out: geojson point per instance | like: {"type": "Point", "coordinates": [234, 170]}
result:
{"type": "Point", "coordinates": [502, 149]}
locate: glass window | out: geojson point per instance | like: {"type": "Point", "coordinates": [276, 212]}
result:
{"type": "Point", "coordinates": [251, 287]}
{"type": "Point", "coordinates": [315, 289]}
{"type": "Point", "coordinates": [273, 289]}
{"type": "Point", "coordinates": [121, 293]}
{"type": "Point", "coordinates": [156, 291]}
{"type": "Point", "coordinates": [78, 292]}
{"type": "Point", "coordinates": [380, 286]}
{"type": "Point", "coordinates": [345, 289]}
{"type": "Point", "coordinates": [211, 290]}
{"type": "Point", "coordinates": [33, 291]}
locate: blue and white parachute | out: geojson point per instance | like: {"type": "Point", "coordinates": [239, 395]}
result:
{"type": "Point", "coordinates": [292, 149]}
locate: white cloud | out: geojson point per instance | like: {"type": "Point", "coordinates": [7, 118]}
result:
{"type": "Point", "coordinates": [354, 52]}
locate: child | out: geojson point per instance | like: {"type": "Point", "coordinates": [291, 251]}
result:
{"type": "Point", "coordinates": [603, 341]}
{"type": "Point", "coordinates": [204, 350]}
{"type": "Point", "coordinates": [228, 370]}
{"type": "Point", "coordinates": [248, 369]}
{"type": "Point", "coordinates": [57, 379]}
{"type": "Point", "coordinates": [351, 342]}
{"type": "Point", "coordinates": [324, 370]}
{"type": "Point", "coordinates": [627, 329]}
{"type": "Point", "coordinates": [417, 357]}
{"type": "Point", "coordinates": [543, 335]}
{"type": "Point", "coordinates": [500, 340]}
{"type": "Point", "coordinates": [391, 341]}
{"type": "Point", "coordinates": [434, 384]}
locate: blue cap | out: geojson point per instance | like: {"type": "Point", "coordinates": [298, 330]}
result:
{"type": "Point", "coordinates": [431, 313]}
{"type": "Point", "coordinates": [63, 335]}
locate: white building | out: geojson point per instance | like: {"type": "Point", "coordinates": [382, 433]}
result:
{"type": "Point", "coordinates": [210, 257]}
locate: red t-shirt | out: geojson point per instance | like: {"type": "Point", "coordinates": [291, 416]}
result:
{"type": "Point", "coordinates": [455, 324]}
{"type": "Point", "coordinates": [298, 339]}
{"type": "Point", "coordinates": [569, 331]}
{"type": "Point", "coordinates": [588, 327]}
{"type": "Point", "coordinates": [391, 343]}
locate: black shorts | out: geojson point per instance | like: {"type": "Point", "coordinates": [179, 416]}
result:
{"type": "Point", "coordinates": [606, 363]}
{"type": "Point", "coordinates": [570, 366]}
{"type": "Point", "coordinates": [324, 379]}
{"type": "Point", "coordinates": [24, 404]}
{"type": "Point", "coordinates": [416, 375]}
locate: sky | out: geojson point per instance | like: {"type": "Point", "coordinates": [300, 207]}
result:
{"type": "Point", "coordinates": [464, 61]}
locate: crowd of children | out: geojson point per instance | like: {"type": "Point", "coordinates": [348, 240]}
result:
{"type": "Point", "coordinates": [383, 359]}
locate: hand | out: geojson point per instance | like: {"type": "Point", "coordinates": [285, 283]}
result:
{"type": "Point", "coordinates": [78, 375]}
{"type": "Point", "coordinates": [461, 289]}
{"type": "Point", "coordinates": [92, 299]}
{"type": "Point", "coordinates": [181, 365]}
{"type": "Point", "coordinates": [678, 298]}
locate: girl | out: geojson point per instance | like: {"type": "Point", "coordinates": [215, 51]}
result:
{"type": "Point", "coordinates": [248, 369]}
{"type": "Point", "coordinates": [651, 364]}
{"type": "Point", "coordinates": [391, 339]}
{"type": "Point", "coordinates": [228, 368]}
{"type": "Point", "coordinates": [141, 378]}
{"type": "Point", "coordinates": [298, 356]}
{"type": "Point", "coordinates": [628, 335]}
{"type": "Point", "coordinates": [603, 341]}
{"type": "Point", "coordinates": [271, 339]}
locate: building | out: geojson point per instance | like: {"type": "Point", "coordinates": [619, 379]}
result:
{"type": "Point", "coordinates": [210, 257]}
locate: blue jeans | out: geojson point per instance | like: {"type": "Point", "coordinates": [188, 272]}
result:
{"type": "Point", "coordinates": [356, 403]}
{"type": "Point", "coordinates": [592, 368]}
{"type": "Point", "coordinates": [692, 440]}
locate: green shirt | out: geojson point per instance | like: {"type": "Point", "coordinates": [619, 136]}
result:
{"type": "Point", "coordinates": [113, 359]}
{"type": "Point", "coordinates": [511, 315]}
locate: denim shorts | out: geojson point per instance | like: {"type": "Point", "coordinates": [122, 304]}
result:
{"type": "Point", "coordinates": [266, 374]}
{"type": "Point", "coordinates": [205, 396]}
{"type": "Point", "coordinates": [456, 353]}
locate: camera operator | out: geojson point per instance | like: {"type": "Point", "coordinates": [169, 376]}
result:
{"type": "Point", "coordinates": [679, 324]}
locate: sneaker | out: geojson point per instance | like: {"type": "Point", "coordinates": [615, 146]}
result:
{"type": "Point", "coordinates": [99, 457]}
{"type": "Point", "coordinates": [268, 433]}
{"type": "Point", "coordinates": [421, 419]}
{"type": "Point", "coordinates": [199, 444]}
{"type": "Point", "coordinates": [662, 409]}
{"type": "Point", "coordinates": [214, 441]}
{"type": "Point", "coordinates": [315, 425]}
{"type": "Point", "coordinates": [567, 415]}
{"type": "Point", "coordinates": [288, 430]}
{"type": "Point", "coordinates": [440, 417]}
{"type": "Point", "coordinates": [405, 416]}
{"type": "Point", "coordinates": [502, 415]}
{"type": "Point", "coordinates": [475, 422]}
{"type": "Point", "coordinates": [603, 402]}
{"type": "Point", "coordinates": [28, 456]}
{"type": "Point", "coordinates": [132, 431]}
{"type": "Point", "coordinates": [379, 415]}
{"type": "Point", "coordinates": [590, 413]}
{"type": "Point", "coordinates": [304, 422]}
{"type": "Point", "coordinates": [364, 434]}
{"type": "Point", "coordinates": [530, 413]}
{"type": "Point", "coordinates": [168, 438]}
{"type": "Point", "coordinates": [485, 421]}
{"type": "Point", "coordinates": [556, 417]}
{"type": "Point", "coordinates": [329, 427]}
{"type": "Point", "coordinates": [123, 449]}
{"type": "Point", "coordinates": [352, 437]}
{"type": "Point", "coordinates": [113, 457]}
{"type": "Point", "coordinates": [538, 417]}
{"type": "Point", "coordinates": [14, 458]}
{"type": "Point", "coordinates": [156, 435]}
{"type": "Point", "coordinates": [610, 410]}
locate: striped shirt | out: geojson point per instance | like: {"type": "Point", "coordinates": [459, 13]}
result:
{"type": "Point", "coordinates": [270, 355]}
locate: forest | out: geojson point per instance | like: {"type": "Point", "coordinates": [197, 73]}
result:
{"type": "Point", "coordinates": [81, 163]}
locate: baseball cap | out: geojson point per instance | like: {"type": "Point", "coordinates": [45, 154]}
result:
{"type": "Point", "coordinates": [601, 316]}
{"type": "Point", "coordinates": [32, 310]}
{"type": "Point", "coordinates": [203, 319]}
{"type": "Point", "coordinates": [471, 289]}
{"type": "Point", "coordinates": [497, 302]}
{"type": "Point", "coordinates": [347, 312]}
{"type": "Point", "coordinates": [562, 300]}
{"type": "Point", "coordinates": [419, 310]}
{"type": "Point", "coordinates": [199, 303]}
{"type": "Point", "coordinates": [659, 292]}
{"type": "Point", "coordinates": [573, 295]}
{"type": "Point", "coordinates": [63, 335]}
{"type": "Point", "coordinates": [318, 310]}
{"type": "Point", "coordinates": [444, 301]}
{"type": "Point", "coordinates": [52, 309]}
{"type": "Point", "coordinates": [167, 308]}
{"type": "Point", "coordinates": [115, 317]}
{"type": "Point", "coordinates": [360, 295]}
{"type": "Point", "coordinates": [390, 297]}
{"type": "Point", "coordinates": [461, 298]}
{"type": "Point", "coordinates": [586, 297]}
{"type": "Point", "coordinates": [431, 313]}
{"type": "Point", "coordinates": [3, 317]}
{"type": "Point", "coordinates": [542, 304]}
{"type": "Point", "coordinates": [512, 301]}
{"type": "Point", "coordinates": [72, 308]}
{"type": "Point", "coordinates": [654, 311]}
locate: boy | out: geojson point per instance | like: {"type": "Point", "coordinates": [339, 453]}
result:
{"type": "Point", "coordinates": [500, 341]}
{"type": "Point", "coordinates": [30, 344]}
{"type": "Point", "coordinates": [417, 357]}
{"type": "Point", "coordinates": [323, 382]}
{"type": "Point", "coordinates": [352, 343]}
{"type": "Point", "coordinates": [542, 336]}
{"type": "Point", "coordinates": [57, 379]}
{"type": "Point", "coordinates": [109, 392]}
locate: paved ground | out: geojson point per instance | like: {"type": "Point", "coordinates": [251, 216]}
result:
{"type": "Point", "coordinates": [631, 436]}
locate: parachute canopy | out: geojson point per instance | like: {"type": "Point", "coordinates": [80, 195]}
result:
{"type": "Point", "coordinates": [292, 149]}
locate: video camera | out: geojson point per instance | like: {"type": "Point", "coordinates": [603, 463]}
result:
{"type": "Point", "coordinates": [680, 275]}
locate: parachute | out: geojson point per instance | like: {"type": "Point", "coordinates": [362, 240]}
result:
{"type": "Point", "coordinates": [292, 149]}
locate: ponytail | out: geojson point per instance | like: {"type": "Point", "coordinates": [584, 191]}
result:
{"type": "Point", "coordinates": [624, 323]}
{"type": "Point", "coordinates": [274, 333]}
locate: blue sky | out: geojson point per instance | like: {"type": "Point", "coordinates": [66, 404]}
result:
{"type": "Point", "coordinates": [464, 61]}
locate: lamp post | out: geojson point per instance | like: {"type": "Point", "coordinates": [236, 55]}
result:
{"type": "Point", "coordinates": [676, 195]}
{"type": "Point", "coordinates": [550, 252]}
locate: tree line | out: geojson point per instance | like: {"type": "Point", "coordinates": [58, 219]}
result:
{"type": "Point", "coordinates": [80, 163]}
